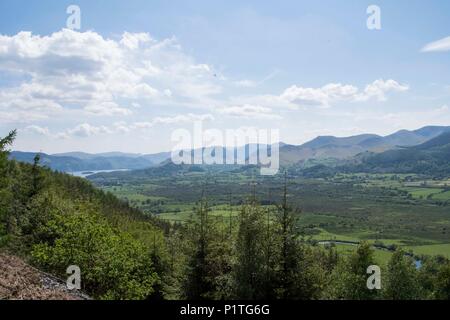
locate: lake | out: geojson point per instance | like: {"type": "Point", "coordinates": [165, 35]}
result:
{"type": "Point", "coordinates": [86, 173]}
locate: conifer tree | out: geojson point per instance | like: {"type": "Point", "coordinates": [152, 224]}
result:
{"type": "Point", "coordinates": [5, 190]}
{"type": "Point", "coordinates": [290, 249]}
{"type": "Point", "coordinates": [249, 253]}
{"type": "Point", "coordinates": [197, 284]}
{"type": "Point", "coordinates": [37, 176]}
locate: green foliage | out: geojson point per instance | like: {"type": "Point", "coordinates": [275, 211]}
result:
{"type": "Point", "coordinates": [5, 180]}
{"type": "Point", "coordinates": [348, 280]}
{"type": "Point", "coordinates": [113, 264]}
{"type": "Point", "coordinates": [56, 220]}
{"type": "Point", "coordinates": [249, 273]}
{"type": "Point", "coordinates": [442, 284]}
{"type": "Point", "coordinates": [401, 283]}
{"type": "Point", "coordinates": [208, 258]}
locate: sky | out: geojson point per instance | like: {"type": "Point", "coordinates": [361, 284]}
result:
{"type": "Point", "coordinates": [138, 70]}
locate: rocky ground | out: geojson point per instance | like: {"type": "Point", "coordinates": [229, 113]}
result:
{"type": "Point", "coordinates": [20, 281]}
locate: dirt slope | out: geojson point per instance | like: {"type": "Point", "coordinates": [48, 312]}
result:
{"type": "Point", "coordinates": [20, 281]}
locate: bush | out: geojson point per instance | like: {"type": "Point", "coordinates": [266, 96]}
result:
{"type": "Point", "coordinates": [112, 263]}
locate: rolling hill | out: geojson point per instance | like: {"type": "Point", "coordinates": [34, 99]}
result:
{"type": "Point", "coordinates": [325, 147]}
{"type": "Point", "coordinates": [431, 157]}
{"type": "Point", "coordinates": [76, 161]}
{"type": "Point", "coordinates": [321, 150]}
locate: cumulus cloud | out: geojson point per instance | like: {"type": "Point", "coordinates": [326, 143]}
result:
{"type": "Point", "coordinates": [439, 45]}
{"type": "Point", "coordinates": [44, 131]}
{"type": "Point", "coordinates": [319, 96]}
{"type": "Point", "coordinates": [336, 92]}
{"type": "Point", "coordinates": [84, 70]}
{"type": "Point", "coordinates": [379, 88]}
{"type": "Point", "coordinates": [85, 130]}
{"type": "Point", "coordinates": [82, 130]}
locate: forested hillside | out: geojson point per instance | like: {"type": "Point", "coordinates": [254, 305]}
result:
{"type": "Point", "coordinates": [69, 163]}
{"type": "Point", "coordinates": [431, 157]}
{"type": "Point", "coordinates": [55, 220]}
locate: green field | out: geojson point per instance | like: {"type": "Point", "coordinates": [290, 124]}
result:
{"type": "Point", "coordinates": [434, 249]}
{"type": "Point", "coordinates": [410, 211]}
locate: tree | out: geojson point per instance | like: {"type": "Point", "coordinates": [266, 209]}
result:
{"type": "Point", "coordinates": [442, 283]}
{"type": "Point", "coordinates": [8, 140]}
{"type": "Point", "coordinates": [401, 281]}
{"type": "Point", "coordinates": [292, 270]}
{"type": "Point", "coordinates": [6, 195]}
{"type": "Point", "coordinates": [198, 283]}
{"type": "Point", "coordinates": [349, 278]}
{"type": "Point", "coordinates": [37, 176]}
{"type": "Point", "coordinates": [248, 273]}
{"type": "Point", "coordinates": [113, 264]}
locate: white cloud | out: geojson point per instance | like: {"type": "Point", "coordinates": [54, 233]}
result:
{"type": "Point", "coordinates": [249, 111]}
{"type": "Point", "coordinates": [20, 117]}
{"type": "Point", "coordinates": [44, 131]}
{"type": "Point", "coordinates": [106, 109]}
{"type": "Point", "coordinates": [84, 70]}
{"type": "Point", "coordinates": [132, 41]}
{"type": "Point", "coordinates": [439, 45]}
{"type": "Point", "coordinates": [379, 88]}
{"type": "Point", "coordinates": [172, 120]}
{"type": "Point", "coordinates": [335, 92]}
{"type": "Point", "coordinates": [85, 130]}
{"type": "Point", "coordinates": [319, 96]}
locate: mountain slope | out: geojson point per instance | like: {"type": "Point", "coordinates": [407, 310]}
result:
{"type": "Point", "coordinates": [324, 147]}
{"type": "Point", "coordinates": [431, 157]}
{"type": "Point", "coordinates": [77, 161]}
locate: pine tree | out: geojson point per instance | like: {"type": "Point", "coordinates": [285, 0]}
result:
{"type": "Point", "coordinates": [6, 195]}
{"type": "Point", "coordinates": [37, 176]}
{"type": "Point", "coordinates": [271, 255]}
{"type": "Point", "coordinates": [290, 250]}
{"type": "Point", "coordinates": [198, 283]}
{"type": "Point", "coordinates": [249, 281]}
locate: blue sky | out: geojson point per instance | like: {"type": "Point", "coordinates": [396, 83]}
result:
{"type": "Point", "coordinates": [306, 67]}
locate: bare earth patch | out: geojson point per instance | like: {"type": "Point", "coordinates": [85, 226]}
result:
{"type": "Point", "coordinates": [20, 281]}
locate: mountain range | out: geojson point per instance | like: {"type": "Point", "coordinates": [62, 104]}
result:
{"type": "Point", "coordinates": [80, 161]}
{"type": "Point", "coordinates": [431, 157]}
{"type": "Point", "coordinates": [359, 147]}
{"type": "Point", "coordinates": [324, 147]}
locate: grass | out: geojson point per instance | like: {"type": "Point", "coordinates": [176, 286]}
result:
{"type": "Point", "coordinates": [434, 249]}
{"type": "Point", "coordinates": [381, 257]}
{"type": "Point", "coordinates": [442, 196]}
{"type": "Point", "coordinates": [422, 193]}
{"type": "Point", "coordinates": [402, 209]}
